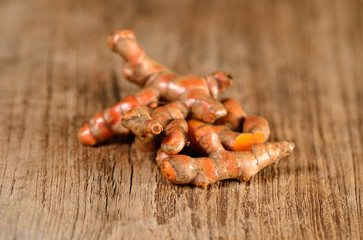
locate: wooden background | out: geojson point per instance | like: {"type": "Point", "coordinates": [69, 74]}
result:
{"type": "Point", "coordinates": [298, 63]}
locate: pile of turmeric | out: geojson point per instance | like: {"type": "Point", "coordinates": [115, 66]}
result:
{"type": "Point", "coordinates": [197, 138]}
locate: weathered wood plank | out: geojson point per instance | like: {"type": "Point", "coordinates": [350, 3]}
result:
{"type": "Point", "coordinates": [296, 63]}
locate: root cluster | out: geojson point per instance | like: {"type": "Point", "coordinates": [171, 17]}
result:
{"type": "Point", "coordinates": [197, 138]}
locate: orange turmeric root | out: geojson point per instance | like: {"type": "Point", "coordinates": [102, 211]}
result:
{"type": "Point", "coordinates": [140, 123]}
{"type": "Point", "coordinates": [255, 129]}
{"type": "Point", "coordinates": [256, 124]}
{"type": "Point", "coordinates": [170, 117]}
{"type": "Point", "coordinates": [106, 124]}
{"type": "Point", "coordinates": [220, 163]}
{"type": "Point", "coordinates": [235, 115]}
{"type": "Point", "coordinates": [176, 136]}
{"type": "Point", "coordinates": [236, 141]}
{"type": "Point", "coordinates": [233, 148]}
{"type": "Point", "coordinates": [198, 94]}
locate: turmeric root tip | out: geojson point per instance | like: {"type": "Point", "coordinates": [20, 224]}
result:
{"type": "Point", "coordinates": [175, 136]}
{"type": "Point", "coordinates": [85, 136]}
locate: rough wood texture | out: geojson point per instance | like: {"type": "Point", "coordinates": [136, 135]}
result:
{"type": "Point", "coordinates": [298, 63]}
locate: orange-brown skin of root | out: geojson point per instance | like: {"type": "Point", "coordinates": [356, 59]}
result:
{"type": "Point", "coordinates": [220, 165]}
{"type": "Point", "coordinates": [127, 103]}
{"type": "Point", "coordinates": [229, 128]}
{"type": "Point", "coordinates": [115, 115]}
{"type": "Point", "coordinates": [175, 136]}
{"type": "Point", "coordinates": [208, 110]}
{"type": "Point", "coordinates": [173, 143]}
{"type": "Point", "coordinates": [118, 35]}
{"type": "Point", "coordinates": [134, 51]}
{"type": "Point", "coordinates": [182, 85]}
{"type": "Point", "coordinates": [161, 156]}
{"type": "Point", "coordinates": [255, 124]}
{"type": "Point", "coordinates": [223, 79]}
{"type": "Point", "coordinates": [158, 81]}
{"type": "Point", "coordinates": [99, 128]}
{"type": "Point", "coordinates": [230, 140]}
{"type": "Point", "coordinates": [235, 115]}
{"type": "Point", "coordinates": [194, 145]}
{"type": "Point", "coordinates": [169, 112]}
{"type": "Point", "coordinates": [105, 125]}
{"type": "Point", "coordinates": [85, 136]}
{"type": "Point", "coordinates": [168, 171]}
{"type": "Point", "coordinates": [140, 123]}
{"type": "Point", "coordinates": [210, 172]}
{"type": "Point", "coordinates": [208, 139]}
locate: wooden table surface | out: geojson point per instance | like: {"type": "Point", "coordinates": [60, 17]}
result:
{"type": "Point", "coordinates": [297, 63]}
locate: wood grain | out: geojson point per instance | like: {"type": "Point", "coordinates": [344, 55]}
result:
{"type": "Point", "coordinates": [298, 63]}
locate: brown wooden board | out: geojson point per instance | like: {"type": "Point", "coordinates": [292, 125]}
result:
{"type": "Point", "coordinates": [297, 63]}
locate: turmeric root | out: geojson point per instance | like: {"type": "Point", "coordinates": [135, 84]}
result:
{"type": "Point", "coordinates": [235, 115]}
{"type": "Point", "coordinates": [237, 141]}
{"type": "Point", "coordinates": [144, 128]}
{"type": "Point", "coordinates": [167, 117]}
{"type": "Point", "coordinates": [172, 111]}
{"type": "Point", "coordinates": [257, 124]}
{"type": "Point", "coordinates": [165, 114]}
{"type": "Point", "coordinates": [175, 136]}
{"type": "Point", "coordinates": [108, 123]}
{"type": "Point", "coordinates": [220, 163]}
{"type": "Point", "coordinates": [255, 129]}
{"type": "Point", "coordinates": [197, 93]}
